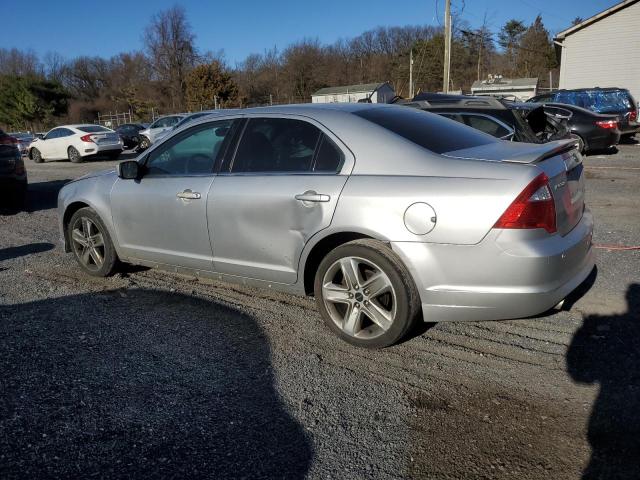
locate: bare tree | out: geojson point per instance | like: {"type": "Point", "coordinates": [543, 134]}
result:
{"type": "Point", "coordinates": [170, 44]}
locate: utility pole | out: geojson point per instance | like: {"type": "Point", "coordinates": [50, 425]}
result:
{"type": "Point", "coordinates": [411, 74]}
{"type": "Point", "coordinates": [447, 46]}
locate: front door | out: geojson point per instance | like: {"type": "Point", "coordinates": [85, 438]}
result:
{"type": "Point", "coordinates": [162, 217]}
{"type": "Point", "coordinates": [281, 188]}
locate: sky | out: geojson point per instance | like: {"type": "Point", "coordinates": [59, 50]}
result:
{"type": "Point", "coordinates": [73, 28]}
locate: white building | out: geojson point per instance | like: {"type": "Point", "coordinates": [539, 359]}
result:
{"type": "Point", "coordinates": [375, 92]}
{"type": "Point", "coordinates": [498, 86]}
{"type": "Point", "coordinates": [603, 51]}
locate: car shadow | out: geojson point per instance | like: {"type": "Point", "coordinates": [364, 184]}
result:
{"type": "Point", "coordinates": [44, 195]}
{"type": "Point", "coordinates": [141, 383]}
{"type": "Point", "coordinates": [606, 351]}
{"type": "Point", "coordinates": [24, 250]}
{"type": "Point", "coordinates": [602, 151]}
{"type": "Point", "coordinates": [629, 141]}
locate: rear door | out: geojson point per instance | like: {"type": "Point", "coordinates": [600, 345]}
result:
{"type": "Point", "coordinates": [280, 189]}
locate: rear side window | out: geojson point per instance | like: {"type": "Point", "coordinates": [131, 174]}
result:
{"type": "Point", "coordinates": [276, 145]}
{"type": "Point", "coordinates": [427, 130]}
{"type": "Point", "coordinates": [329, 158]}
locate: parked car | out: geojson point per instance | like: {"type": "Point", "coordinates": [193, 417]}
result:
{"type": "Point", "coordinates": [386, 214]}
{"type": "Point", "coordinates": [24, 140]}
{"type": "Point", "coordinates": [184, 121]}
{"type": "Point", "coordinates": [594, 131]}
{"type": "Point", "coordinates": [616, 101]}
{"type": "Point", "coordinates": [13, 175]}
{"type": "Point", "coordinates": [130, 134]}
{"type": "Point", "coordinates": [499, 118]}
{"type": "Point", "coordinates": [75, 143]}
{"type": "Point", "coordinates": [163, 124]}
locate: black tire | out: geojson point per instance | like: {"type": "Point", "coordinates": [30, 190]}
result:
{"type": "Point", "coordinates": [36, 156]}
{"type": "Point", "coordinates": [74, 155]}
{"type": "Point", "coordinates": [19, 197]}
{"type": "Point", "coordinates": [106, 250]}
{"type": "Point", "coordinates": [407, 299]}
{"type": "Point", "coordinates": [582, 143]}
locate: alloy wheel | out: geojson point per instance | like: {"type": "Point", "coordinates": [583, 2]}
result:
{"type": "Point", "coordinates": [359, 297]}
{"type": "Point", "coordinates": [88, 243]}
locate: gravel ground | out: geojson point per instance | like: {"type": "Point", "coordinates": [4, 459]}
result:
{"type": "Point", "coordinates": [149, 375]}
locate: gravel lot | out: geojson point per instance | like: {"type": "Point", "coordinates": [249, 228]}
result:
{"type": "Point", "coordinates": [147, 374]}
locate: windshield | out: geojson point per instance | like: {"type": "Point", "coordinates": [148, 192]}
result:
{"type": "Point", "coordinates": [428, 130]}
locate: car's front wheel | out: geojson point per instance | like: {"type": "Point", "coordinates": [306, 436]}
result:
{"type": "Point", "coordinates": [144, 143]}
{"type": "Point", "coordinates": [91, 243]}
{"type": "Point", "coordinates": [74, 155]}
{"type": "Point", "coordinates": [366, 295]}
{"type": "Point", "coordinates": [36, 156]}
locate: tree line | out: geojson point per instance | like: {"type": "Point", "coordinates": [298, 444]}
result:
{"type": "Point", "coordinates": [171, 74]}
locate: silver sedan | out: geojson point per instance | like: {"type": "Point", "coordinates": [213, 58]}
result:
{"type": "Point", "coordinates": [386, 214]}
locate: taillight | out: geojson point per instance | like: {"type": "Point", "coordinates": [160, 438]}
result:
{"type": "Point", "coordinates": [533, 208]}
{"type": "Point", "coordinates": [87, 138]}
{"type": "Point", "coordinates": [633, 115]}
{"type": "Point", "coordinates": [607, 124]}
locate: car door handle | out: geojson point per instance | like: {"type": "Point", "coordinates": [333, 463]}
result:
{"type": "Point", "coordinates": [188, 195]}
{"type": "Point", "coordinates": [312, 196]}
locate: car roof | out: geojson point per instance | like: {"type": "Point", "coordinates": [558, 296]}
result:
{"type": "Point", "coordinates": [438, 100]}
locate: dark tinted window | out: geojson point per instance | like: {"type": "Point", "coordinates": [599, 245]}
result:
{"type": "Point", "coordinates": [486, 125]}
{"type": "Point", "coordinates": [329, 157]}
{"type": "Point", "coordinates": [194, 152]}
{"type": "Point", "coordinates": [93, 129]}
{"type": "Point", "coordinates": [276, 145]}
{"type": "Point", "coordinates": [428, 130]}
{"type": "Point", "coordinates": [65, 132]}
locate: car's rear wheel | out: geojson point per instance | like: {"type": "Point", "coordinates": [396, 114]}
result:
{"type": "Point", "coordinates": [74, 155]}
{"type": "Point", "coordinates": [366, 295]}
{"type": "Point", "coordinates": [91, 243]}
{"type": "Point", "coordinates": [36, 156]}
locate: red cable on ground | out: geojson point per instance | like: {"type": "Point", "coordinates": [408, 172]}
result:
{"type": "Point", "coordinates": [616, 247]}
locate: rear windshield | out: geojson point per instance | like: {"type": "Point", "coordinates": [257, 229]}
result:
{"type": "Point", "coordinates": [93, 129]}
{"type": "Point", "coordinates": [600, 101]}
{"type": "Point", "coordinates": [430, 131]}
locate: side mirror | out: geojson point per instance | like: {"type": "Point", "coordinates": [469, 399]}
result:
{"type": "Point", "coordinates": [128, 170]}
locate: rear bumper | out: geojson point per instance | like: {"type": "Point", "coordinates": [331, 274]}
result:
{"type": "Point", "coordinates": [510, 274]}
{"type": "Point", "coordinates": [603, 139]}
{"type": "Point", "coordinates": [90, 148]}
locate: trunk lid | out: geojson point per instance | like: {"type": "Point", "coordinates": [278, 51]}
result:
{"type": "Point", "coordinates": [559, 160]}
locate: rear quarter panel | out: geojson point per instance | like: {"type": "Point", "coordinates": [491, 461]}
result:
{"type": "Point", "coordinates": [466, 207]}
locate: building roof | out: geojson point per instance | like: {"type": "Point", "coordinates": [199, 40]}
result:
{"type": "Point", "coordinates": [364, 88]}
{"type": "Point", "coordinates": [502, 83]}
{"type": "Point", "coordinates": [591, 20]}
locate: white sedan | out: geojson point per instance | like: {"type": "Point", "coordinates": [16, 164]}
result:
{"type": "Point", "coordinates": [75, 142]}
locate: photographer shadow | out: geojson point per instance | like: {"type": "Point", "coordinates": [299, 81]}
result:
{"type": "Point", "coordinates": [606, 351]}
{"type": "Point", "coordinates": [141, 384]}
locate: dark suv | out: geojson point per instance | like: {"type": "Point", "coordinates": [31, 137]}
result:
{"type": "Point", "coordinates": [615, 101]}
{"type": "Point", "coordinates": [13, 176]}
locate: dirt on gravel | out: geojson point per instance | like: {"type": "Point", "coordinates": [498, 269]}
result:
{"type": "Point", "coordinates": [153, 375]}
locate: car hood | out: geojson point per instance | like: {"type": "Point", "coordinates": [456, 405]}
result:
{"type": "Point", "coordinates": [99, 173]}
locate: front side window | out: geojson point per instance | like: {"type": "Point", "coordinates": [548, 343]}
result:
{"type": "Point", "coordinates": [277, 145]}
{"type": "Point", "coordinates": [52, 134]}
{"type": "Point", "coordinates": [486, 125]}
{"type": "Point", "coordinates": [195, 152]}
